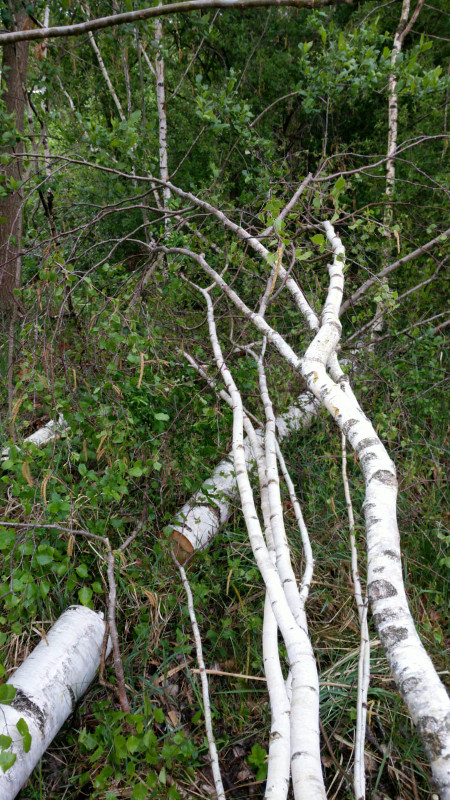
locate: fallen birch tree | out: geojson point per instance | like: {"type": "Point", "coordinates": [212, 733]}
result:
{"type": "Point", "coordinates": [412, 669]}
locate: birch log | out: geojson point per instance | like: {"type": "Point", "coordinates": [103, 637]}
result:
{"type": "Point", "coordinates": [48, 685]}
{"type": "Point", "coordinates": [43, 435]}
{"type": "Point", "coordinates": [210, 508]}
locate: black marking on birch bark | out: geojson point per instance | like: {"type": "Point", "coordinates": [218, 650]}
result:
{"type": "Point", "coordinates": [274, 735]}
{"type": "Point", "coordinates": [380, 589]}
{"type": "Point", "coordinates": [364, 443]}
{"type": "Point", "coordinates": [299, 754]}
{"type": "Point", "coordinates": [392, 635]}
{"type": "Point", "coordinates": [384, 476]}
{"type": "Point", "coordinates": [73, 699]}
{"type": "Point", "coordinates": [364, 459]}
{"type": "Point", "coordinates": [433, 733]}
{"type": "Point", "coordinates": [22, 702]}
{"type": "Point", "coordinates": [214, 510]}
{"type": "Point", "coordinates": [379, 569]}
{"type": "Point", "coordinates": [408, 685]}
{"type": "Point", "coordinates": [392, 555]}
{"type": "Point", "coordinates": [349, 424]}
{"type": "Point", "coordinates": [390, 614]}
{"type": "Point", "coordinates": [335, 324]}
{"type": "Point", "coordinates": [372, 522]}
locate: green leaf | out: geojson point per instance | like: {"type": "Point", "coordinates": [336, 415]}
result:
{"type": "Point", "coordinates": [7, 759]}
{"type": "Point", "coordinates": [85, 595]}
{"type": "Point", "coordinates": [318, 238]}
{"type": "Point", "coordinates": [338, 186]}
{"type": "Point", "coordinates": [139, 792]}
{"type": "Point", "coordinates": [161, 417]}
{"type": "Point", "coordinates": [5, 741]}
{"type": "Point", "coordinates": [23, 729]}
{"type": "Point", "coordinates": [7, 693]}
{"type": "Point", "coordinates": [162, 776]}
{"type": "Point", "coordinates": [303, 255]}
{"type": "Point", "coordinates": [133, 744]}
{"type": "Point", "coordinates": [120, 745]}
{"type": "Point", "coordinates": [44, 558]}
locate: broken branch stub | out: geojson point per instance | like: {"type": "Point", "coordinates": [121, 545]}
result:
{"type": "Point", "coordinates": [48, 685]}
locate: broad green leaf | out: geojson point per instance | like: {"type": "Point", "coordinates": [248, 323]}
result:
{"type": "Point", "coordinates": [162, 417]}
{"type": "Point", "coordinates": [23, 729]}
{"type": "Point", "coordinates": [7, 759]}
{"type": "Point", "coordinates": [85, 595]}
{"type": "Point", "coordinates": [7, 693]}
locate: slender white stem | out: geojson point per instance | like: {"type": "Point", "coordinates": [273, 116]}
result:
{"type": "Point", "coordinates": [359, 780]}
{"type": "Point", "coordinates": [306, 543]}
{"type": "Point", "coordinates": [298, 296]}
{"type": "Point", "coordinates": [278, 771]}
{"type": "Point", "coordinates": [205, 691]}
{"type": "Point", "coordinates": [103, 69]}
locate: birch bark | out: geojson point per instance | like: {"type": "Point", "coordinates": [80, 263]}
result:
{"type": "Point", "coordinates": [48, 685]}
{"type": "Point", "coordinates": [161, 100]}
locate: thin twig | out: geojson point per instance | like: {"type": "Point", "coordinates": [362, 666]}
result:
{"type": "Point", "coordinates": [204, 680]}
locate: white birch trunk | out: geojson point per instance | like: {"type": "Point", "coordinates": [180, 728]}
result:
{"type": "Point", "coordinates": [161, 101]}
{"type": "Point", "coordinates": [48, 686]}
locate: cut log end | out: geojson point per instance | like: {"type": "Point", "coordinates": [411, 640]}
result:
{"type": "Point", "coordinates": [183, 548]}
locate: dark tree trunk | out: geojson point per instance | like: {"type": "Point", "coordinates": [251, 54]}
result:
{"type": "Point", "coordinates": [14, 72]}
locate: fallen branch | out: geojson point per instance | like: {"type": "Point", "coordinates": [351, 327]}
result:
{"type": "Point", "coordinates": [204, 681]}
{"type": "Point", "coordinates": [156, 11]}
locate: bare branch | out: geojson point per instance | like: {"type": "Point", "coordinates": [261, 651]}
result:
{"type": "Point", "coordinates": [148, 13]}
{"type": "Point", "coordinates": [355, 297]}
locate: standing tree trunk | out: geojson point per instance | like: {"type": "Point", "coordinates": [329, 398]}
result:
{"type": "Point", "coordinates": [14, 71]}
{"type": "Point", "coordinates": [403, 29]}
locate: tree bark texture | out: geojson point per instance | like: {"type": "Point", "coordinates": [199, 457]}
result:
{"type": "Point", "coordinates": [14, 73]}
